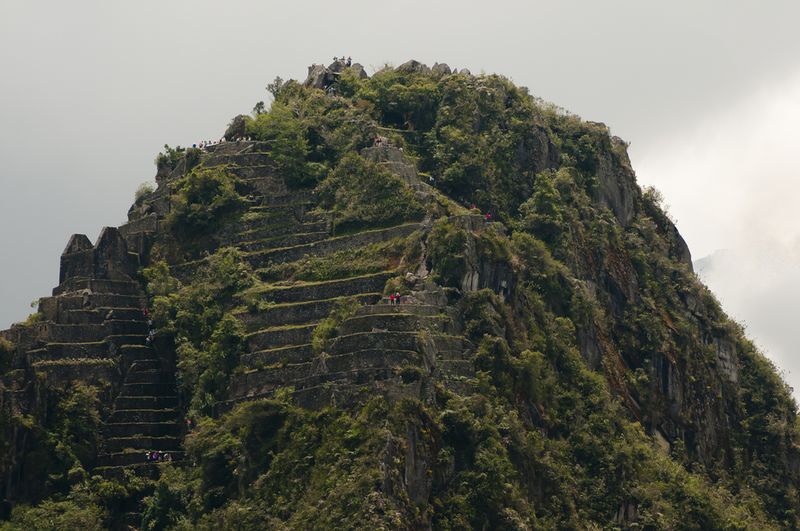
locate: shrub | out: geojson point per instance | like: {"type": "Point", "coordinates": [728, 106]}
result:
{"type": "Point", "coordinates": [361, 193]}
{"type": "Point", "coordinates": [327, 328]}
{"type": "Point", "coordinates": [286, 137]}
{"type": "Point", "coordinates": [203, 201]}
{"type": "Point", "coordinates": [143, 191]}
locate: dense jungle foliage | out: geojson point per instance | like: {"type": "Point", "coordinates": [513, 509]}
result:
{"type": "Point", "coordinates": [602, 401]}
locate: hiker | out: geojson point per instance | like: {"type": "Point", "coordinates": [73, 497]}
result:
{"type": "Point", "coordinates": [349, 61]}
{"type": "Point", "coordinates": [391, 299]}
{"type": "Point", "coordinates": [487, 217]}
{"type": "Point", "coordinates": [397, 297]}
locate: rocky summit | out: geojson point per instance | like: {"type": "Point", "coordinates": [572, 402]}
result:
{"type": "Point", "coordinates": [419, 300]}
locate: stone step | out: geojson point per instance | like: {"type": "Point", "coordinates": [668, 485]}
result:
{"type": "Point", "coordinates": [280, 337]}
{"type": "Point", "coordinates": [460, 354]}
{"type": "Point", "coordinates": [149, 376]}
{"type": "Point", "coordinates": [261, 181]}
{"type": "Point", "coordinates": [259, 382]}
{"type": "Point", "coordinates": [124, 402]}
{"type": "Point", "coordinates": [147, 224]}
{"type": "Point", "coordinates": [274, 197]}
{"type": "Point", "coordinates": [99, 315]}
{"type": "Point", "coordinates": [283, 355]}
{"type": "Point", "coordinates": [395, 341]}
{"type": "Point", "coordinates": [134, 353]}
{"type": "Point", "coordinates": [344, 394]}
{"type": "Point", "coordinates": [148, 389]}
{"type": "Point", "coordinates": [283, 241]}
{"type": "Point", "coordinates": [410, 309]}
{"type": "Point", "coordinates": [144, 415]}
{"type": "Point", "coordinates": [284, 228]}
{"type": "Point", "coordinates": [286, 209]}
{"type": "Point", "coordinates": [118, 287]}
{"type": "Point", "coordinates": [132, 458]}
{"type": "Point", "coordinates": [96, 300]}
{"type": "Point", "coordinates": [329, 246]}
{"type": "Point", "coordinates": [307, 291]}
{"type": "Point", "coordinates": [297, 313]}
{"type": "Point", "coordinates": [265, 220]}
{"type": "Point", "coordinates": [238, 159]}
{"type": "Point", "coordinates": [397, 322]}
{"type": "Point", "coordinates": [80, 333]}
{"type": "Point", "coordinates": [90, 371]}
{"type": "Point", "coordinates": [145, 365]}
{"type": "Point", "coordinates": [456, 368]}
{"type": "Point", "coordinates": [147, 429]}
{"type": "Point", "coordinates": [63, 351]}
{"type": "Point", "coordinates": [237, 146]}
{"type": "Point", "coordinates": [263, 380]}
{"type": "Point", "coordinates": [358, 369]}
{"type": "Point", "coordinates": [143, 443]}
{"type": "Point", "coordinates": [371, 359]}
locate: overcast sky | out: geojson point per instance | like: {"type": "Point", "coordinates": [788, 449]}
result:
{"type": "Point", "coordinates": [708, 94]}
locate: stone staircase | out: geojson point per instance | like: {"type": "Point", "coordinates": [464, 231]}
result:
{"type": "Point", "coordinates": [96, 332]}
{"type": "Point", "coordinates": [145, 417]}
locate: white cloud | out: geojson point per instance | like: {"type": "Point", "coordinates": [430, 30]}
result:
{"type": "Point", "coordinates": [733, 182]}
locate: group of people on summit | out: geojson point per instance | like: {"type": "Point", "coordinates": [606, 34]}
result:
{"type": "Point", "coordinates": [347, 62]}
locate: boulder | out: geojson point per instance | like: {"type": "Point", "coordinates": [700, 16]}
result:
{"type": "Point", "coordinates": [317, 77]}
{"type": "Point", "coordinates": [413, 67]}
{"type": "Point", "coordinates": [358, 69]}
{"type": "Point", "coordinates": [441, 69]}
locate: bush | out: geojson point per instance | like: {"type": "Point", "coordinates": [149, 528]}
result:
{"type": "Point", "coordinates": [361, 193]}
{"type": "Point", "coordinates": [286, 136]}
{"type": "Point", "coordinates": [328, 328]}
{"type": "Point", "coordinates": [203, 201]}
{"type": "Point", "coordinates": [208, 337]}
{"type": "Point", "coordinates": [143, 191]}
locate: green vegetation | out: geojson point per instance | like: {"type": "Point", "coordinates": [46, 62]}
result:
{"type": "Point", "coordinates": [142, 192]}
{"type": "Point", "coordinates": [63, 444]}
{"type": "Point", "coordinates": [361, 193]}
{"type": "Point", "coordinates": [197, 316]}
{"type": "Point", "coordinates": [373, 258]}
{"type": "Point", "coordinates": [203, 201]}
{"type": "Point", "coordinates": [447, 245]}
{"type": "Point", "coordinates": [286, 136]}
{"type": "Point", "coordinates": [327, 328]}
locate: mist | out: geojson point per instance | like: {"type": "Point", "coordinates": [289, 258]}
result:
{"type": "Point", "coordinates": [733, 180]}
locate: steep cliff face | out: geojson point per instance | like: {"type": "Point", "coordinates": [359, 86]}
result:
{"type": "Point", "coordinates": [417, 300]}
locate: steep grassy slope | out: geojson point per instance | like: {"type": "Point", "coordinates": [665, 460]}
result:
{"type": "Point", "coordinates": [553, 362]}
